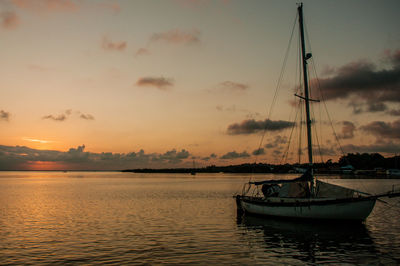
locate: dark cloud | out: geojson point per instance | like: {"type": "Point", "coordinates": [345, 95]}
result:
{"type": "Point", "coordinates": [277, 141]}
{"type": "Point", "coordinates": [235, 155]}
{"type": "Point", "coordinates": [177, 36]}
{"type": "Point", "coordinates": [251, 126]}
{"type": "Point", "coordinates": [4, 116]}
{"type": "Point", "coordinates": [231, 86]}
{"type": "Point", "coordinates": [381, 129]}
{"type": "Point", "coordinates": [347, 130]}
{"type": "Point", "coordinates": [9, 20]}
{"type": "Point", "coordinates": [277, 152]}
{"type": "Point", "coordinates": [363, 81]}
{"type": "Point", "coordinates": [376, 107]}
{"type": "Point", "coordinates": [172, 156]}
{"type": "Point", "coordinates": [394, 112]}
{"type": "Point", "coordinates": [207, 158]}
{"type": "Point", "coordinates": [21, 157]}
{"type": "Point", "coordinates": [158, 82]}
{"type": "Point", "coordinates": [260, 151]}
{"type": "Point", "coordinates": [324, 151]}
{"type": "Point", "coordinates": [107, 44]}
{"type": "Point", "coordinates": [379, 147]}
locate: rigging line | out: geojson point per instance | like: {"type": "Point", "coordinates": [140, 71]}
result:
{"type": "Point", "coordinates": [321, 93]}
{"type": "Point", "coordinates": [317, 138]}
{"type": "Point", "coordinates": [315, 127]}
{"type": "Point", "coordinates": [320, 125]}
{"type": "Point", "coordinates": [385, 210]}
{"type": "Point", "coordinates": [326, 108]}
{"type": "Point", "coordinates": [276, 92]}
{"type": "Point", "coordinates": [290, 136]}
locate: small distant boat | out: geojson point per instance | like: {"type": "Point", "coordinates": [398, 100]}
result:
{"type": "Point", "coordinates": [305, 197]}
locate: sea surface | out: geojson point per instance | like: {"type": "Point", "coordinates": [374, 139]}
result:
{"type": "Point", "coordinates": [84, 218]}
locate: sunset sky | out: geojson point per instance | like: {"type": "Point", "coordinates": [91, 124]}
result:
{"type": "Point", "coordinates": [160, 83]}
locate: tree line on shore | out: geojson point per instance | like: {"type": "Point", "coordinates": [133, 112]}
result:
{"type": "Point", "coordinates": [364, 161]}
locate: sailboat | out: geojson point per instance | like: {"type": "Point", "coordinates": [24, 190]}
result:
{"type": "Point", "coordinates": [306, 197]}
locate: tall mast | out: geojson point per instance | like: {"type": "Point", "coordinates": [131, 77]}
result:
{"type": "Point", "coordinates": [305, 57]}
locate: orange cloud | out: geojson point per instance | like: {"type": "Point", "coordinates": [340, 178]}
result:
{"type": "Point", "coordinates": [9, 20]}
{"type": "Point", "coordinates": [107, 44]}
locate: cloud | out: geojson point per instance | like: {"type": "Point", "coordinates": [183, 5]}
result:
{"type": "Point", "coordinates": [376, 107]}
{"type": "Point", "coordinates": [87, 116]}
{"type": "Point", "coordinates": [347, 130]}
{"type": "Point", "coordinates": [381, 129]}
{"type": "Point", "coordinates": [159, 82]}
{"type": "Point", "coordinates": [59, 118]}
{"type": "Point", "coordinates": [260, 151]}
{"type": "Point", "coordinates": [9, 20]}
{"type": "Point", "coordinates": [177, 36]}
{"type": "Point", "coordinates": [379, 147]}
{"type": "Point", "coordinates": [363, 81]}
{"type": "Point", "coordinates": [251, 126]}
{"type": "Point", "coordinates": [207, 158]}
{"type": "Point", "coordinates": [394, 112]}
{"type": "Point", "coordinates": [25, 158]}
{"type": "Point", "coordinates": [278, 140]}
{"type": "Point", "coordinates": [172, 156]}
{"type": "Point", "coordinates": [326, 151]}
{"type": "Point", "coordinates": [235, 155]}
{"type": "Point", "coordinates": [4, 116]}
{"type": "Point", "coordinates": [67, 113]}
{"type": "Point", "coordinates": [142, 51]}
{"type": "Point", "coordinates": [109, 45]}
{"type": "Point", "coordinates": [230, 86]}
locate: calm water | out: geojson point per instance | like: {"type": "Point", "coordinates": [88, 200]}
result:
{"type": "Point", "coordinates": [125, 218]}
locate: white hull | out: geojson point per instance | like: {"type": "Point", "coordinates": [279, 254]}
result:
{"type": "Point", "coordinates": [310, 208]}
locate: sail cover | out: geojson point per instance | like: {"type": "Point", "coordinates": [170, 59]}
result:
{"type": "Point", "coordinates": [304, 177]}
{"type": "Point", "coordinates": [326, 190]}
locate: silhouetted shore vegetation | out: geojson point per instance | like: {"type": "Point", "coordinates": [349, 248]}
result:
{"type": "Point", "coordinates": [367, 162]}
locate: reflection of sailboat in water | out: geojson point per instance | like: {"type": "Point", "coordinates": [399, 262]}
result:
{"type": "Point", "coordinates": [306, 197]}
{"type": "Point", "coordinates": [308, 242]}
